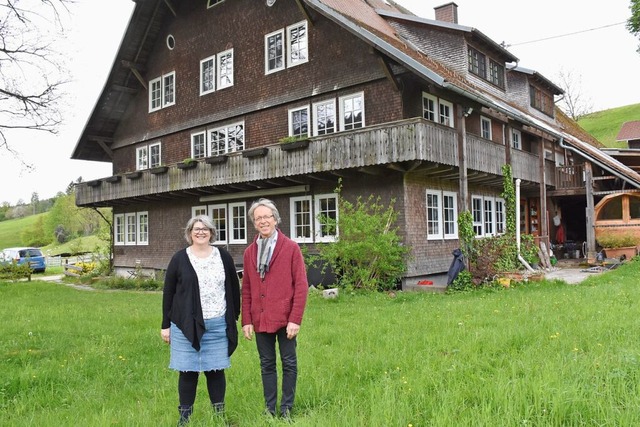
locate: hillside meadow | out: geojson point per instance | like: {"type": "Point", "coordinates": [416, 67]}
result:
{"type": "Point", "coordinates": [537, 354]}
{"type": "Point", "coordinates": [605, 125]}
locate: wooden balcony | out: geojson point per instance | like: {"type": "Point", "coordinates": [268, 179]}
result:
{"type": "Point", "coordinates": [397, 143]}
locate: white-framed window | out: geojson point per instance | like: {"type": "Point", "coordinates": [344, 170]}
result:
{"type": "Point", "coordinates": [324, 117]}
{"type": "Point", "coordinates": [130, 228]}
{"type": "Point", "coordinates": [489, 215]}
{"type": "Point", "coordinates": [208, 75]}
{"type": "Point", "coordinates": [218, 214]}
{"type": "Point", "coordinates": [516, 139]}
{"type": "Point", "coordinates": [352, 111]}
{"type": "Point", "coordinates": [326, 218]}
{"type": "Point", "coordinates": [301, 216]}
{"type": "Point", "coordinates": [198, 210]}
{"type": "Point", "coordinates": [238, 222]}
{"type": "Point", "coordinates": [148, 156]}
{"type": "Point", "coordinates": [446, 113]}
{"type": "Point", "coordinates": [429, 107]}
{"type": "Point", "coordinates": [298, 43]}
{"type": "Point", "coordinates": [118, 229]}
{"type": "Point", "coordinates": [437, 110]}
{"type": "Point", "coordinates": [142, 228]}
{"type": "Point", "coordinates": [199, 148]}
{"type": "Point", "coordinates": [226, 139]}
{"type": "Point", "coordinates": [274, 52]}
{"type": "Point", "coordinates": [314, 218]}
{"type": "Point", "coordinates": [225, 69]}
{"type": "Point", "coordinates": [485, 127]}
{"type": "Point", "coordinates": [299, 121]}
{"type": "Point", "coordinates": [476, 212]}
{"type": "Point", "coordinates": [442, 215]}
{"type": "Point", "coordinates": [162, 91]}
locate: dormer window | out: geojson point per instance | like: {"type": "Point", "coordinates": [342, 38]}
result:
{"type": "Point", "coordinates": [541, 100]}
{"type": "Point", "coordinates": [478, 66]}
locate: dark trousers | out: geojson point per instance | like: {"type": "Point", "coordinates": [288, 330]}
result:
{"type": "Point", "coordinates": [188, 385]}
{"type": "Point", "coordinates": [267, 351]}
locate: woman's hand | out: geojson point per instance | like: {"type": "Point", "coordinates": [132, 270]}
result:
{"type": "Point", "coordinates": [166, 335]}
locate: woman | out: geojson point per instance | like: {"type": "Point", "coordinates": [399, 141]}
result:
{"type": "Point", "coordinates": [200, 308]}
{"type": "Point", "coordinates": [274, 295]}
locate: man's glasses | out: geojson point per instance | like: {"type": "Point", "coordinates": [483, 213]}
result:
{"type": "Point", "coordinates": [262, 218]}
{"type": "Point", "coordinates": [200, 230]}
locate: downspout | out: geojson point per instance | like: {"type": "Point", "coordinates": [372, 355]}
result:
{"type": "Point", "coordinates": [520, 258]}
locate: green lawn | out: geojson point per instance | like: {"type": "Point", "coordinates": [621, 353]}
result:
{"type": "Point", "coordinates": [540, 354]}
{"type": "Point", "coordinates": [605, 125]}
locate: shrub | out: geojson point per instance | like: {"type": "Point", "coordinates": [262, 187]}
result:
{"type": "Point", "coordinates": [368, 253]}
{"type": "Point", "coordinates": [13, 271]}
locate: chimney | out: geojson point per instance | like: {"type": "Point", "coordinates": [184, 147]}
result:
{"type": "Point", "coordinates": [447, 12]}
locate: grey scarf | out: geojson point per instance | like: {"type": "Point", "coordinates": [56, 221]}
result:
{"type": "Point", "coordinates": [264, 249]}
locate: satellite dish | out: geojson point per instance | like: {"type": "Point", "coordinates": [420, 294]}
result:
{"type": "Point", "coordinates": [271, 2]}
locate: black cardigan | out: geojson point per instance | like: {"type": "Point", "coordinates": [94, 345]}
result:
{"type": "Point", "coordinates": [181, 299]}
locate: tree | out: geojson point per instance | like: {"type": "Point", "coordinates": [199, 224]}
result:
{"type": "Point", "coordinates": [633, 23]}
{"type": "Point", "coordinates": [32, 75]}
{"type": "Point", "coordinates": [574, 103]}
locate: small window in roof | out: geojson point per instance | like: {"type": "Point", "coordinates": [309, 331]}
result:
{"type": "Point", "coordinates": [171, 42]}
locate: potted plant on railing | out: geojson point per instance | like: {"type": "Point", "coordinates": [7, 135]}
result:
{"type": "Point", "coordinates": [619, 245]}
{"type": "Point", "coordinates": [156, 170]}
{"type": "Point", "coordinates": [187, 163]}
{"type": "Point", "coordinates": [293, 142]}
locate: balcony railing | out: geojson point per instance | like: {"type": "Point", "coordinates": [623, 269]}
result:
{"type": "Point", "coordinates": [407, 140]}
{"type": "Point", "coordinates": [570, 177]}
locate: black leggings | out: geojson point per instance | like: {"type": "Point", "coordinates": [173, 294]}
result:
{"type": "Point", "coordinates": [188, 384]}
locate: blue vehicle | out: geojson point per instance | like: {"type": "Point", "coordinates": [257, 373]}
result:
{"type": "Point", "coordinates": [37, 261]}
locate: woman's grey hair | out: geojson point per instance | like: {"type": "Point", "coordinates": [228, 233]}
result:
{"type": "Point", "coordinates": [206, 221]}
{"type": "Point", "coordinates": [267, 204]}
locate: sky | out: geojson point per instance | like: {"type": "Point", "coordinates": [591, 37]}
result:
{"type": "Point", "coordinates": [585, 39]}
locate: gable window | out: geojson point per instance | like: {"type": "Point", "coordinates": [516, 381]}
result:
{"type": "Point", "coordinates": [324, 117]}
{"type": "Point", "coordinates": [477, 63]}
{"type": "Point", "coordinates": [485, 127]}
{"type": "Point", "coordinates": [298, 44]}
{"type": "Point", "coordinates": [541, 100]}
{"type": "Point", "coordinates": [437, 110]}
{"type": "Point", "coordinates": [225, 69]}
{"type": "Point", "coordinates": [211, 3]}
{"type": "Point", "coordinates": [199, 145]}
{"type": "Point", "coordinates": [299, 122]}
{"type": "Point", "coordinates": [496, 73]}
{"type": "Point", "coordinates": [274, 51]}
{"type": "Point", "coordinates": [162, 91]}
{"type": "Point", "coordinates": [314, 218]}
{"type": "Point", "coordinates": [352, 111]}
{"type": "Point", "coordinates": [226, 139]}
{"type": "Point", "coordinates": [148, 156]}
{"type": "Point", "coordinates": [441, 215]}
{"type": "Point", "coordinates": [208, 75]}
{"type": "Point", "coordinates": [516, 139]}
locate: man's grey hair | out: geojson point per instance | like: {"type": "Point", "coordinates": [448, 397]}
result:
{"type": "Point", "coordinates": [206, 221]}
{"type": "Point", "coordinates": [267, 204]}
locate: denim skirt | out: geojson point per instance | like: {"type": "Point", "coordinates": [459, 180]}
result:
{"type": "Point", "coordinates": [213, 354]}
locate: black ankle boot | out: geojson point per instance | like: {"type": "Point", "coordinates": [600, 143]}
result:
{"type": "Point", "coordinates": [185, 413]}
{"type": "Point", "coordinates": [218, 407]}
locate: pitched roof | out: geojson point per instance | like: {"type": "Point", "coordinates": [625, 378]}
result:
{"type": "Point", "coordinates": [629, 131]}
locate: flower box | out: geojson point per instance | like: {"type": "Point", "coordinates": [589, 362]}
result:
{"type": "Point", "coordinates": [134, 175]}
{"type": "Point", "coordinates": [94, 183]}
{"type": "Point", "coordinates": [217, 160]}
{"type": "Point", "coordinates": [187, 165]}
{"type": "Point", "coordinates": [159, 170]}
{"type": "Point", "coordinates": [256, 152]}
{"type": "Point", "coordinates": [295, 145]}
{"type": "Point", "coordinates": [113, 179]}
{"type": "Point", "coordinates": [618, 253]}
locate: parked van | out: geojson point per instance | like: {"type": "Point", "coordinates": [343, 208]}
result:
{"type": "Point", "coordinates": [37, 261]}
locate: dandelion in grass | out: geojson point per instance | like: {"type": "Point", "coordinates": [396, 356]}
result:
{"type": "Point", "coordinates": [556, 335]}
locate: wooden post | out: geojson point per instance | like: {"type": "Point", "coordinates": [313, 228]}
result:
{"type": "Point", "coordinates": [463, 198]}
{"type": "Point", "coordinates": [589, 214]}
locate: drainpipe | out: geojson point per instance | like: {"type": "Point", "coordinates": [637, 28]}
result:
{"type": "Point", "coordinates": [520, 258]}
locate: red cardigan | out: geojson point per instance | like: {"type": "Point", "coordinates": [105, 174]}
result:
{"type": "Point", "coordinates": [270, 303]}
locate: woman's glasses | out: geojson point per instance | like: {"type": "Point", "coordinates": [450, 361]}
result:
{"type": "Point", "coordinates": [200, 230]}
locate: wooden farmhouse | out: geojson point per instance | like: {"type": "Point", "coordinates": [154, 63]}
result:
{"type": "Point", "coordinates": [421, 111]}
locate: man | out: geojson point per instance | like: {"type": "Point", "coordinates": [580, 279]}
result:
{"type": "Point", "coordinates": [274, 295]}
